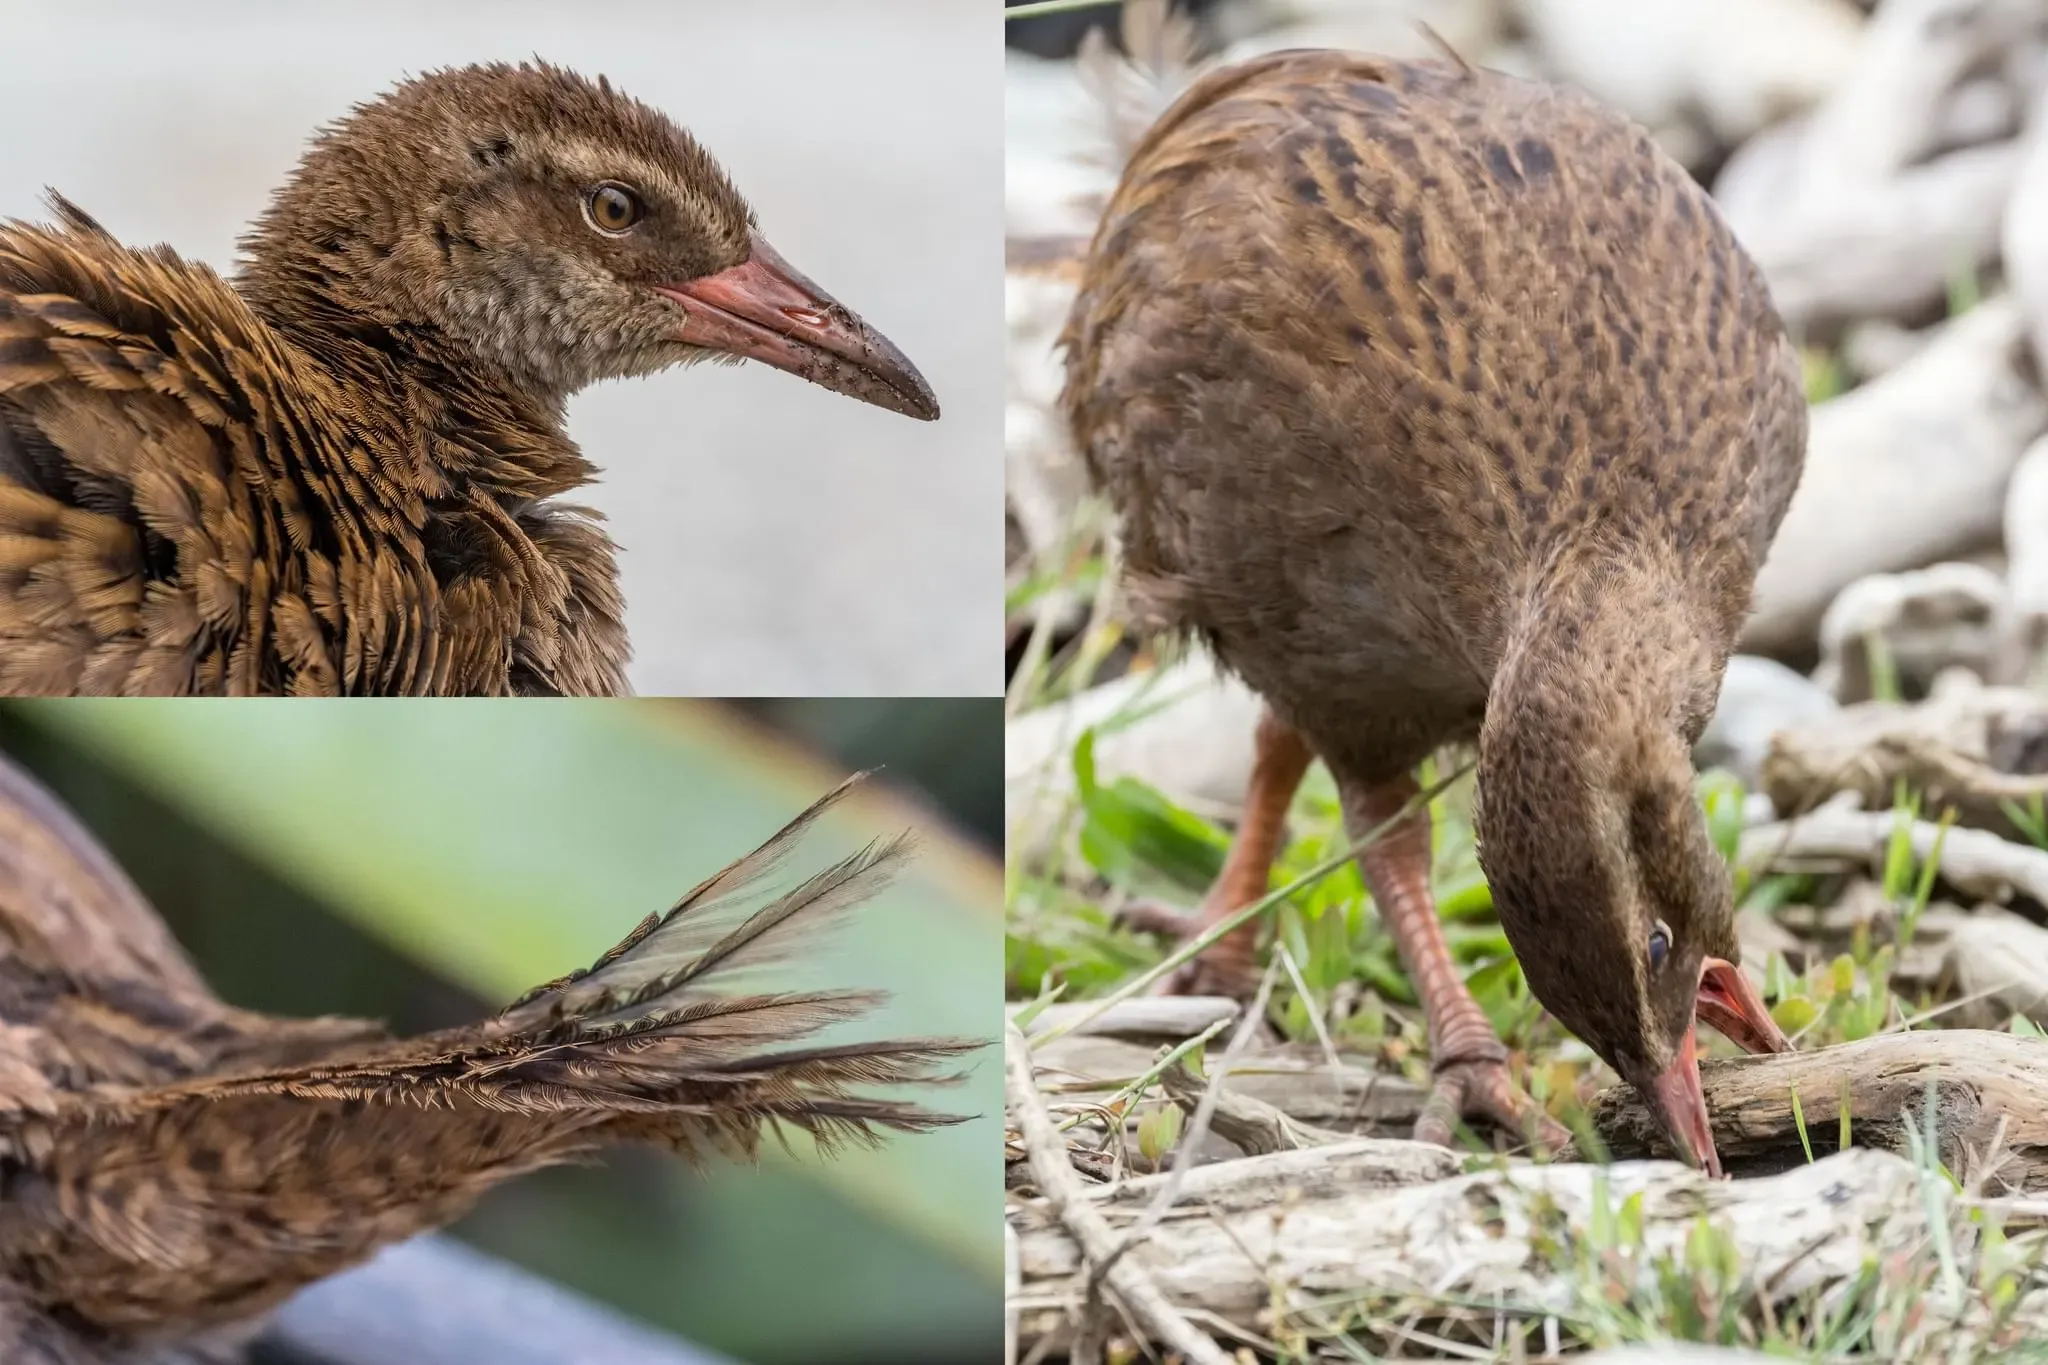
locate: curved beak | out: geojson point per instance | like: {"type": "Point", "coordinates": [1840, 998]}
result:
{"type": "Point", "coordinates": [1680, 1106]}
{"type": "Point", "coordinates": [1732, 1007]}
{"type": "Point", "coordinates": [764, 309]}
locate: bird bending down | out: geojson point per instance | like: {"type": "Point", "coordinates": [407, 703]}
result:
{"type": "Point", "coordinates": [1444, 407]}
{"type": "Point", "coordinates": [339, 474]}
{"type": "Point", "coordinates": [176, 1167]}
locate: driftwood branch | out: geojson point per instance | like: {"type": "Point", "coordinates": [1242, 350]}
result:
{"type": "Point", "coordinates": [1967, 748]}
{"type": "Point", "coordinates": [1990, 1096]}
{"type": "Point", "coordinates": [1284, 1233]}
{"type": "Point", "coordinates": [1294, 1080]}
{"type": "Point", "coordinates": [1998, 963]}
{"type": "Point", "coordinates": [1145, 1016]}
{"type": "Point", "coordinates": [2021, 651]}
{"type": "Point", "coordinates": [1973, 861]}
{"type": "Point", "coordinates": [1926, 620]}
{"type": "Point", "coordinates": [1068, 1201]}
{"type": "Point", "coordinates": [1250, 1125]}
{"type": "Point", "coordinates": [1968, 406]}
{"type": "Point", "coordinates": [1857, 209]}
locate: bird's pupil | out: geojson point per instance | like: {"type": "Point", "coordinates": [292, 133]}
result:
{"type": "Point", "coordinates": [1660, 944]}
{"type": "Point", "coordinates": [613, 208]}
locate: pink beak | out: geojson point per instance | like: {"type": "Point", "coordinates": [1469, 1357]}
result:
{"type": "Point", "coordinates": [764, 309]}
{"type": "Point", "coordinates": [1732, 1006]}
{"type": "Point", "coordinates": [1682, 1107]}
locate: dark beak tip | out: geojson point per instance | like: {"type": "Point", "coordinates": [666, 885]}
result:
{"type": "Point", "coordinates": [1679, 1107]}
{"type": "Point", "coordinates": [922, 405]}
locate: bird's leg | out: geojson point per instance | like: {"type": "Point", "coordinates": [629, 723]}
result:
{"type": "Point", "coordinates": [1467, 1058]}
{"type": "Point", "coordinates": [1230, 965]}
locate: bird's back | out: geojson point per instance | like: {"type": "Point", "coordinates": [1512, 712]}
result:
{"type": "Point", "coordinates": [194, 503]}
{"type": "Point", "coordinates": [1363, 345]}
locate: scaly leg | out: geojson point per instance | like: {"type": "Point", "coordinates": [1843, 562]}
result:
{"type": "Point", "coordinates": [1230, 965]}
{"type": "Point", "coordinates": [1468, 1059]}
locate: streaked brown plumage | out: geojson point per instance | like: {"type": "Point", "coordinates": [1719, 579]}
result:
{"type": "Point", "coordinates": [175, 1167]}
{"type": "Point", "coordinates": [339, 474]}
{"type": "Point", "coordinates": [1445, 407]}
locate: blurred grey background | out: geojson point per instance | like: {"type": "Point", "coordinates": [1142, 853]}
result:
{"type": "Point", "coordinates": [777, 539]}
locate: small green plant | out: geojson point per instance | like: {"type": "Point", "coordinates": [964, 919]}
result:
{"type": "Point", "coordinates": [1825, 375]}
{"type": "Point", "coordinates": [2029, 817]}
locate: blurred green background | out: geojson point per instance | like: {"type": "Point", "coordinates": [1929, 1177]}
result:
{"type": "Point", "coordinates": [423, 863]}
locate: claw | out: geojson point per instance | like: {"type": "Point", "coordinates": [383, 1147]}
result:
{"type": "Point", "coordinates": [1484, 1090]}
{"type": "Point", "coordinates": [1219, 969]}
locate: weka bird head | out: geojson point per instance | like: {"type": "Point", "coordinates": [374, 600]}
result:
{"type": "Point", "coordinates": [553, 230]}
{"type": "Point", "coordinates": [1617, 904]}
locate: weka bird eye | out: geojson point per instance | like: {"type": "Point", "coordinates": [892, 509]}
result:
{"type": "Point", "coordinates": [612, 208]}
{"type": "Point", "coordinates": [1660, 944]}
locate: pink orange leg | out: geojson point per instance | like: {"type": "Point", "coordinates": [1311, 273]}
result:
{"type": "Point", "coordinates": [1230, 965]}
{"type": "Point", "coordinates": [1466, 1056]}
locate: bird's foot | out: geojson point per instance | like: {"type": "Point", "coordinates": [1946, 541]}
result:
{"type": "Point", "coordinates": [1470, 1088]}
{"type": "Point", "coordinates": [1226, 967]}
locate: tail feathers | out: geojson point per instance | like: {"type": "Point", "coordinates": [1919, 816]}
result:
{"type": "Point", "coordinates": [732, 921]}
{"type": "Point", "coordinates": [815, 1090]}
{"type": "Point", "coordinates": [216, 1196]}
{"type": "Point", "coordinates": [661, 1025]}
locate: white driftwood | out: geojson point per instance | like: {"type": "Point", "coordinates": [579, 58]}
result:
{"type": "Point", "coordinates": [1145, 1017]}
{"type": "Point", "coordinates": [1298, 1082]}
{"type": "Point", "coordinates": [1959, 749]}
{"type": "Point", "coordinates": [1905, 471]}
{"type": "Point", "coordinates": [1741, 64]}
{"type": "Point", "coordinates": [1877, 346]}
{"type": "Point", "coordinates": [1252, 1126]}
{"type": "Point", "coordinates": [1887, 248]}
{"type": "Point", "coordinates": [1842, 210]}
{"type": "Point", "coordinates": [1043, 476]}
{"type": "Point", "coordinates": [1925, 619]}
{"type": "Point", "coordinates": [1974, 861]}
{"type": "Point", "coordinates": [1296, 1227]}
{"type": "Point", "coordinates": [2002, 958]}
{"type": "Point", "coordinates": [1759, 698]}
{"type": "Point", "coordinates": [1067, 1202]}
{"type": "Point", "coordinates": [2020, 654]}
{"type": "Point", "coordinates": [1392, 28]}
{"type": "Point", "coordinates": [1990, 1098]}
{"type": "Point", "coordinates": [2024, 232]}
{"type": "Point", "coordinates": [1194, 742]}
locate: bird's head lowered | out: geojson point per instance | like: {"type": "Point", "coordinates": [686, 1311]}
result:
{"type": "Point", "coordinates": [557, 231]}
{"type": "Point", "coordinates": [1610, 890]}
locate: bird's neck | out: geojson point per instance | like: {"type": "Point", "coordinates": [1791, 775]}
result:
{"type": "Point", "coordinates": [468, 429]}
{"type": "Point", "coordinates": [1585, 773]}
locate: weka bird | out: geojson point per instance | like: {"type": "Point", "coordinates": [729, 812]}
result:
{"type": "Point", "coordinates": [338, 475]}
{"type": "Point", "coordinates": [1443, 406]}
{"type": "Point", "coordinates": [174, 1167]}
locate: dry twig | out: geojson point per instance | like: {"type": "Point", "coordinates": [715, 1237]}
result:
{"type": "Point", "coordinates": [1067, 1200]}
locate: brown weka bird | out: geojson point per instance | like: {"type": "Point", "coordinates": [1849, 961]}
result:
{"type": "Point", "coordinates": [1443, 406]}
{"type": "Point", "coordinates": [174, 1167]}
{"type": "Point", "coordinates": [339, 473]}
